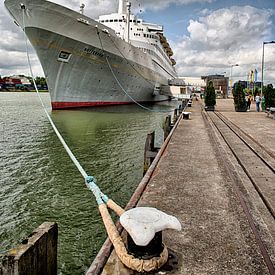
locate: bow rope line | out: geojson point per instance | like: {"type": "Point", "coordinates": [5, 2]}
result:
{"type": "Point", "coordinates": [103, 201]}
{"type": "Point", "coordinates": [130, 62]}
{"type": "Point", "coordinates": [120, 85]}
{"type": "Point", "coordinates": [89, 180]}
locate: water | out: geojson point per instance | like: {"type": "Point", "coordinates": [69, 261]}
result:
{"type": "Point", "coordinates": [40, 183]}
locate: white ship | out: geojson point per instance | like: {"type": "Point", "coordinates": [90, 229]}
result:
{"type": "Point", "coordinates": [117, 59]}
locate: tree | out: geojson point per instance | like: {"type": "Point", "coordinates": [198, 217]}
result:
{"type": "Point", "coordinates": [40, 81]}
{"type": "Point", "coordinates": [269, 95]}
{"type": "Point", "coordinates": [256, 92]}
{"type": "Point", "coordinates": [239, 98]}
{"type": "Point", "coordinates": [210, 95]}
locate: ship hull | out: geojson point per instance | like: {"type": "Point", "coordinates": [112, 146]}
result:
{"type": "Point", "coordinates": [86, 64]}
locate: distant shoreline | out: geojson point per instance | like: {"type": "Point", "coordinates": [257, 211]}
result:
{"type": "Point", "coordinates": [22, 91]}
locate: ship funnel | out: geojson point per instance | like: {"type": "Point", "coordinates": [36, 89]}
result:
{"type": "Point", "coordinates": [122, 9]}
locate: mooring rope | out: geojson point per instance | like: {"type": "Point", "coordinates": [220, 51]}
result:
{"type": "Point", "coordinates": [130, 62]}
{"type": "Point", "coordinates": [120, 85]}
{"type": "Point", "coordinates": [89, 180]}
{"type": "Point", "coordinates": [102, 200]}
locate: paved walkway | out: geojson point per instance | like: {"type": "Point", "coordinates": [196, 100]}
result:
{"type": "Point", "coordinates": [191, 183]}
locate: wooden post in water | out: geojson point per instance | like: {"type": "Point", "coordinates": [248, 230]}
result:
{"type": "Point", "coordinates": [150, 151]}
{"type": "Point", "coordinates": [175, 117]}
{"type": "Point", "coordinates": [181, 107]}
{"type": "Point", "coordinates": [36, 255]}
{"type": "Point", "coordinates": [167, 126]}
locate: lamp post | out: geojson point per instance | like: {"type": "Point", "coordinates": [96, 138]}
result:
{"type": "Point", "coordinates": [231, 68]}
{"type": "Point", "coordinates": [262, 83]}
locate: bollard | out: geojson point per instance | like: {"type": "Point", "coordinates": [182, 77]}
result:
{"type": "Point", "coordinates": [144, 226]}
{"type": "Point", "coordinates": [153, 249]}
{"type": "Point", "coordinates": [185, 115]}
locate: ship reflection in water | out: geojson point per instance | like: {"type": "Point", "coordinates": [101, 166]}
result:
{"type": "Point", "coordinates": [40, 183]}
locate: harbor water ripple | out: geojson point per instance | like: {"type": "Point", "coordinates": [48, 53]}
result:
{"type": "Point", "coordinates": [40, 183]}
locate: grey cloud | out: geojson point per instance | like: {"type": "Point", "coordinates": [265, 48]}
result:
{"type": "Point", "coordinates": [162, 4]}
{"type": "Point", "coordinates": [217, 39]}
{"type": "Point", "coordinates": [224, 37]}
{"type": "Point", "coordinates": [94, 8]}
{"type": "Point", "coordinates": [230, 28]}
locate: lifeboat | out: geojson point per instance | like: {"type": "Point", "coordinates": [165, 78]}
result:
{"type": "Point", "coordinates": [162, 38]}
{"type": "Point", "coordinates": [165, 45]}
{"type": "Point", "coordinates": [169, 52]}
{"type": "Point", "coordinates": [173, 61]}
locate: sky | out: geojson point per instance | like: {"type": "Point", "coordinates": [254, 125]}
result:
{"type": "Point", "coordinates": [207, 36]}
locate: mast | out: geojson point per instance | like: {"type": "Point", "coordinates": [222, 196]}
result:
{"type": "Point", "coordinates": [122, 9]}
{"type": "Point", "coordinates": [82, 6]}
{"type": "Point", "coordinates": [128, 20]}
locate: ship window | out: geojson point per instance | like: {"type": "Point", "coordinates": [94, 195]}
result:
{"type": "Point", "coordinates": [107, 20]}
{"type": "Point", "coordinates": [111, 20]}
{"type": "Point", "coordinates": [120, 20]}
{"type": "Point", "coordinates": [138, 21]}
{"type": "Point", "coordinates": [115, 20]}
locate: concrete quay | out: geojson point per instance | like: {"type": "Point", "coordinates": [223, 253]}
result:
{"type": "Point", "coordinates": [193, 181]}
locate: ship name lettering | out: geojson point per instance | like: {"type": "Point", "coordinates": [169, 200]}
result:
{"type": "Point", "coordinates": [92, 51]}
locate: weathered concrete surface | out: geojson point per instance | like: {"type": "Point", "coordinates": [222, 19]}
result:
{"type": "Point", "coordinates": [191, 182]}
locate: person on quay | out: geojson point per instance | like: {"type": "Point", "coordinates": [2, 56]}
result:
{"type": "Point", "coordinates": [258, 102]}
{"type": "Point", "coordinates": [248, 102]}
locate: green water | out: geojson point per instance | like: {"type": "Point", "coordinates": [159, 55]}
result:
{"type": "Point", "coordinates": [39, 182]}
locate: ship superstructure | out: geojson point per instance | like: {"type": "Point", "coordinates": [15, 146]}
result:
{"type": "Point", "coordinates": [117, 59]}
{"type": "Point", "coordinates": [145, 36]}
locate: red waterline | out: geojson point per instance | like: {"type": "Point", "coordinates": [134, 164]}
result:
{"type": "Point", "coordinates": [67, 105]}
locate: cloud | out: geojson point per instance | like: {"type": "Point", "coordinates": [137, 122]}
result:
{"type": "Point", "coordinates": [223, 37]}
{"type": "Point", "coordinates": [162, 4]}
{"type": "Point", "coordinates": [93, 8]}
{"type": "Point", "coordinates": [214, 41]}
{"type": "Point", "coordinates": [97, 7]}
{"type": "Point", "coordinates": [12, 48]}
{"type": "Point", "coordinates": [13, 59]}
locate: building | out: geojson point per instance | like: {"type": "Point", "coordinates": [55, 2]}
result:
{"type": "Point", "coordinates": [220, 83]}
{"type": "Point", "coordinates": [24, 80]}
{"type": "Point", "coordinates": [186, 85]}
